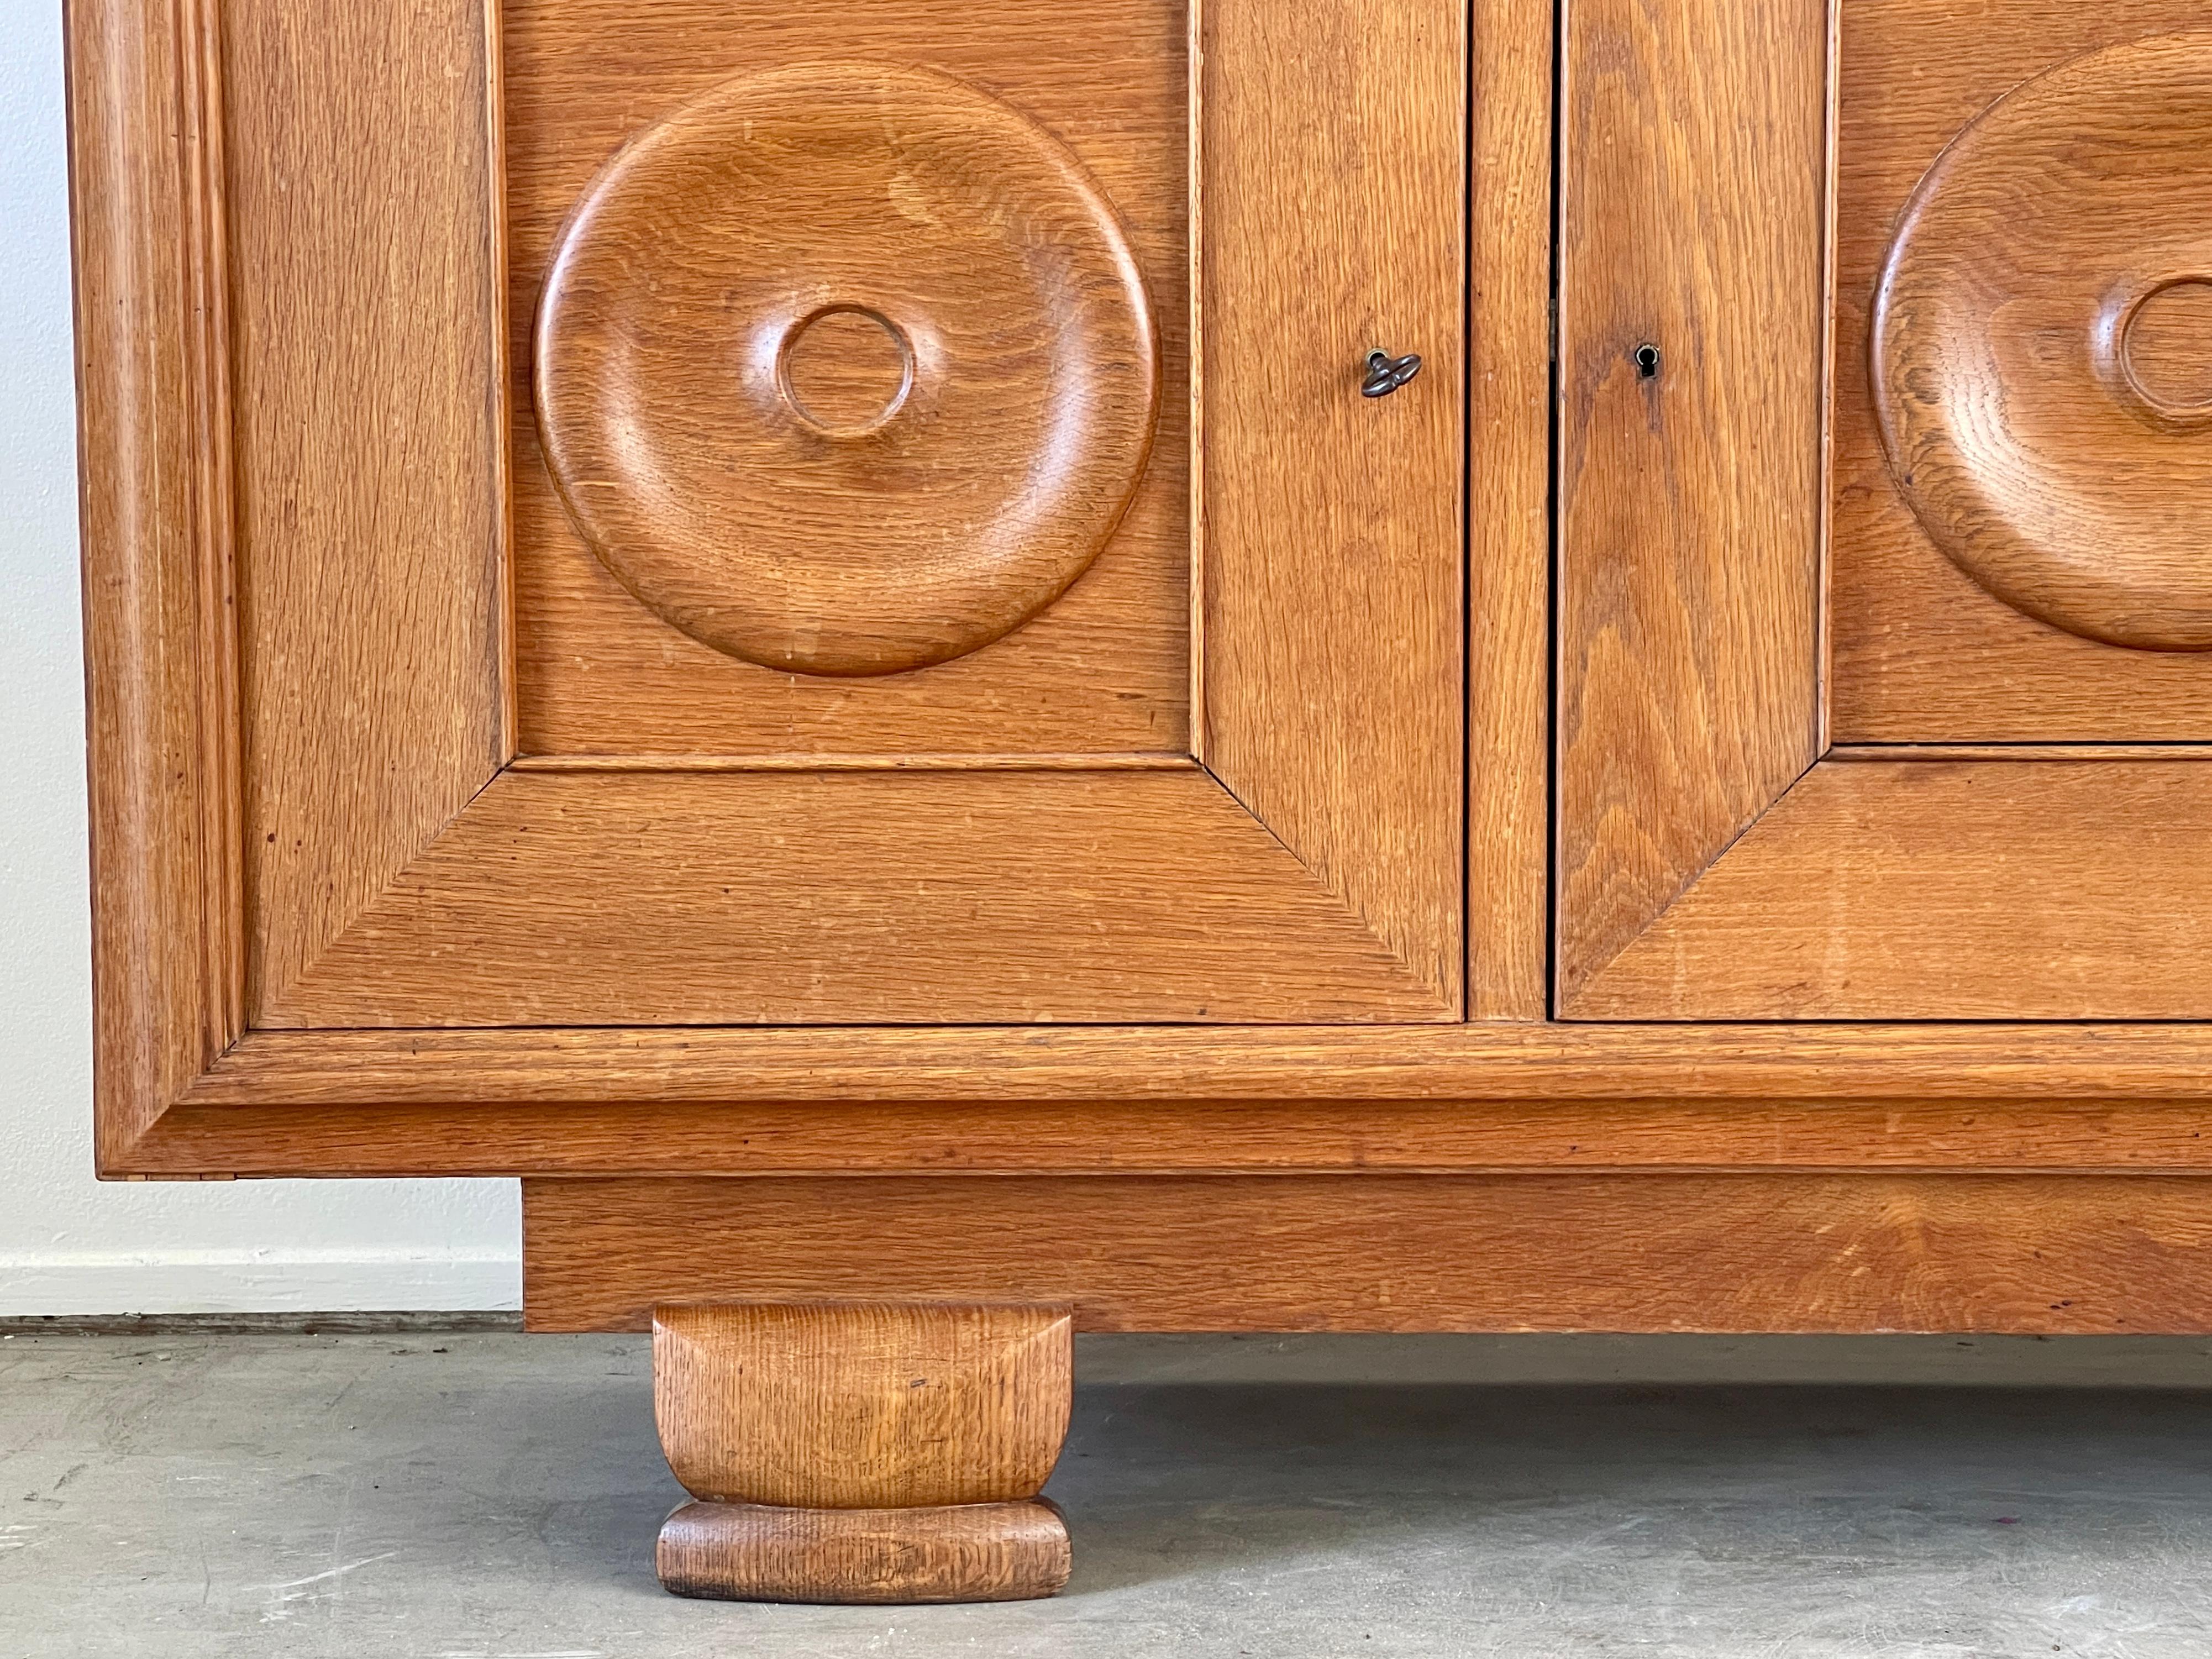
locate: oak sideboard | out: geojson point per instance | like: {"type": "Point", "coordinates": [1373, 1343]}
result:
{"type": "Point", "coordinates": [963, 670]}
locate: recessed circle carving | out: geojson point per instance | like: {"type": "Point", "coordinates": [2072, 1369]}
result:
{"type": "Point", "coordinates": [2042, 346]}
{"type": "Point", "coordinates": [2165, 351]}
{"type": "Point", "coordinates": [845, 368]}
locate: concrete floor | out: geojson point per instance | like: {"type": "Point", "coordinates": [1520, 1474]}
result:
{"type": "Point", "coordinates": [464, 1496]}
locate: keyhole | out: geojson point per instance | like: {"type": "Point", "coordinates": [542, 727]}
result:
{"type": "Point", "coordinates": [1647, 362]}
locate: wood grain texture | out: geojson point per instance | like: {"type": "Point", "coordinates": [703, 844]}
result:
{"type": "Point", "coordinates": [2020, 751]}
{"type": "Point", "coordinates": [1927, 890]}
{"type": "Point", "coordinates": [1743, 1065]}
{"type": "Point", "coordinates": [2138, 1132]}
{"type": "Point", "coordinates": [969, 477]}
{"type": "Point", "coordinates": [846, 369]}
{"type": "Point", "coordinates": [1920, 652]}
{"type": "Point", "coordinates": [390, 881]}
{"type": "Point", "coordinates": [1106, 668]}
{"type": "Point", "coordinates": [1744, 1253]}
{"type": "Point", "coordinates": [919, 898]}
{"type": "Point", "coordinates": [1693, 217]}
{"type": "Point", "coordinates": [963, 1553]}
{"type": "Point", "coordinates": [920, 761]}
{"type": "Point", "coordinates": [150, 256]}
{"type": "Point", "coordinates": [1198, 1100]}
{"type": "Point", "coordinates": [1509, 513]}
{"type": "Point", "coordinates": [862, 1406]}
{"type": "Point", "coordinates": [1332, 181]}
{"type": "Point", "coordinates": [2035, 341]}
{"type": "Point", "coordinates": [363, 211]}
{"type": "Point", "coordinates": [2166, 344]}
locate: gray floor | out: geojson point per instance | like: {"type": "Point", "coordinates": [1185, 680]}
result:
{"type": "Point", "coordinates": [462, 1495]}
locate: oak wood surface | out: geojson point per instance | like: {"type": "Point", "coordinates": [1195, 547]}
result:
{"type": "Point", "coordinates": [1749, 1252]}
{"type": "Point", "coordinates": [974, 335]}
{"type": "Point", "coordinates": [2164, 342]}
{"type": "Point", "coordinates": [1921, 652]}
{"type": "Point", "coordinates": [1509, 528]}
{"type": "Point", "coordinates": [1330, 610]}
{"type": "Point", "coordinates": [862, 1406]}
{"type": "Point", "coordinates": [177, 1095]}
{"type": "Point", "coordinates": [369, 389]}
{"type": "Point", "coordinates": [914, 760]}
{"type": "Point", "coordinates": [1103, 670]}
{"type": "Point", "coordinates": [2036, 338]}
{"type": "Point", "coordinates": [1198, 1100]}
{"type": "Point", "coordinates": [1441, 1137]}
{"type": "Point", "coordinates": [1692, 209]}
{"type": "Point", "coordinates": [160, 344]}
{"type": "Point", "coordinates": [959, 1552]}
{"type": "Point", "coordinates": [916, 897]}
{"type": "Point", "coordinates": [1960, 890]}
{"type": "Point", "coordinates": [1509, 350]}
{"type": "Point", "coordinates": [1963, 877]}
{"type": "Point", "coordinates": [609, 899]}
{"type": "Point", "coordinates": [1743, 1064]}
{"type": "Point", "coordinates": [2020, 751]}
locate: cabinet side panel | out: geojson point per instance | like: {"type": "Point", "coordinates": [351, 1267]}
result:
{"type": "Point", "coordinates": [1692, 364]}
{"type": "Point", "coordinates": [1332, 204]}
{"type": "Point", "coordinates": [160, 691]}
{"type": "Point", "coordinates": [366, 363]}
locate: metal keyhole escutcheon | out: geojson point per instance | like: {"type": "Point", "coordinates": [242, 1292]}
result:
{"type": "Point", "coordinates": [1386, 374]}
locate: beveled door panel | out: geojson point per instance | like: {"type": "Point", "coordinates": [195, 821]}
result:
{"type": "Point", "coordinates": [1689, 458]}
{"type": "Point", "coordinates": [2003, 348]}
{"type": "Point", "coordinates": [808, 615]}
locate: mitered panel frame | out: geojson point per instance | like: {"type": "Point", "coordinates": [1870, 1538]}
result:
{"type": "Point", "coordinates": [1719, 858]}
{"type": "Point", "coordinates": [387, 843]}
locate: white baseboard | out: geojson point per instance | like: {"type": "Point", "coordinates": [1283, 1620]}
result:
{"type": "Point", "coordinates": [251, 1281]}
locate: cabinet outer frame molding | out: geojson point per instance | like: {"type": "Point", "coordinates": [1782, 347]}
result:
{"type": "Point", "coordinates": [226, 1039]}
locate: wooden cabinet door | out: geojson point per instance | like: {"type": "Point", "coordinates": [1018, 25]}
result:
{"type": "Point", "coordinates": [1884, 489]}
{"type": "Point", "coordinates": [603, 514]}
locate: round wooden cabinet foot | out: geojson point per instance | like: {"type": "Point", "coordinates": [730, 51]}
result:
{"type": "Point", "coordinates": [944, 1552]}
{"type": "Point", "coordinates": [862, 1451]}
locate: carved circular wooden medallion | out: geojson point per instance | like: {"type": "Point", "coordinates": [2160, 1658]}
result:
{"type": "Point", "coordinates": [2042, 352]}
{"type": "Point", "coordinates": [845, 369]}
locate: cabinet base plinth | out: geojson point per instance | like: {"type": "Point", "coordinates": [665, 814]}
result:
{"type": "Point", "coordinates": [945, 1552]}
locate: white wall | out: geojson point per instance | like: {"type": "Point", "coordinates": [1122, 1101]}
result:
{"type": "Point", "coordinates": [68, 1244]}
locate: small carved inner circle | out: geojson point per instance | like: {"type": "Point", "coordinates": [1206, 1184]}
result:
{"type": "Point", "coordinates": [2167, 349]}
{"type": "Point", "coordinates": [847, 369]}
